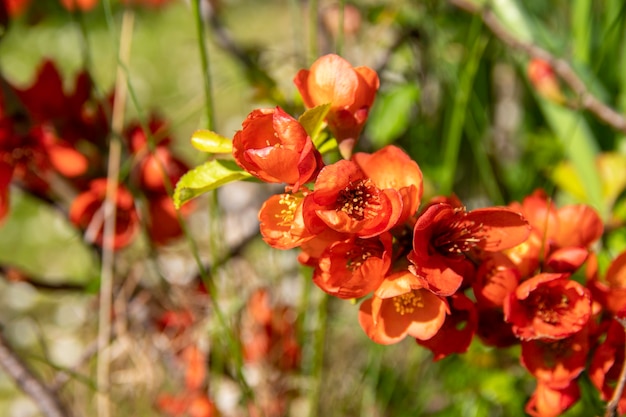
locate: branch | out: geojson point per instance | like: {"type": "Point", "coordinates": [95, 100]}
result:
{"type": "Point", "coordinates": [49, 404]}
{"type": "Point", "coordinates": [562, 68]}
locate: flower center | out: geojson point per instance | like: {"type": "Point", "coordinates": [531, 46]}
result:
{"type": "Point", "coordinates": [547, 305]}
{"type": "Point", "coordinates": [287, 214]}
{"type": "Point", "coordinates": [359, 200]}
{"type": "Point", "coordinates": [406, 303]}
{"type": "Point", "coordinates": [458, 236]}
{"type": "Point", "coordinates": [361, 252]}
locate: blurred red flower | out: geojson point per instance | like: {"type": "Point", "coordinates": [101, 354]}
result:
{"type": "Point", "coordinates": [87, 213]}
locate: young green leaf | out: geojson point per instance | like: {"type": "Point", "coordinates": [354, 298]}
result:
{"type": "Point", "coordinates": [207, 177]}
{"type": "Point", "coordinates": [313, 121]}
{"type": "Point", "coordinates": [208, 141]}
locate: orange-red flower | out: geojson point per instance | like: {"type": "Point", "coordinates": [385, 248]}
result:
{"type": "Point", "coordinates": [542, 77]}
{"type": "Point", "coordinates": [607, 363]}
{"type": "Point", "coordinates": [548, 306]}
{"type": "Point", "coordinates": [164, 224]}
{"type": "Point", "coordinates": [556, 362]}
{"type": "Point", "coordinates": [354, 267]}
{"type": "Point", "coordinates": [390, 167]}
{"type": "Point", "coordinates": [350, 92]}
{"type": "Point", "coordinates": [610, 291]}
{"type": "Point", "coordinates": [400, 307]}
{"type": "Point", "coordinates": [281, 222]}
{"type": "Point", "coordinates": [87, 209]}
{"type": "Point", "coordinates": [348, 201]}
{"type": "Point", "coordinates": [84, 5]}
{"type": "Point", "coordinates": [496, 278]}
{"type": "Point", "coordinates": [274, 147]}
{"type": "Point", "coordinates": [561, 237]}
{"type": "Point", "coordinates": [552, 402]}
{"type": "Point", "coordinates": [457, 331]}
{"type": "Point", "coordinates": [444, 234]}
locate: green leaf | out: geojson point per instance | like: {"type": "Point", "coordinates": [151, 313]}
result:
{"type": "Point", "coordinates": [207, 177]}
{"type": "Point", "coordinates": [208, 141]}
{"type": "Point", "coordinates": [313, 121]}
{"type": "Point", "coordinates": [391, 114]}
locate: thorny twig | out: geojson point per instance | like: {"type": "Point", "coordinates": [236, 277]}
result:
{"type": "Point", "coordinates": [562, 68]}
{"type": "Point", "coordinates": [49, 403]}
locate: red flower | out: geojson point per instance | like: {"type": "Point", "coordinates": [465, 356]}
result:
{"type": "Point", "coordinates": [346, 200]}
{"type": "Point", "coordinates": [561, 237]}
{"type": "Point", "coordinates": [496, 278]}
{"type": "Point", "coordinates": [6, 172]}
{"type": "Point", "coordinates": [15, 7]}
{"type": "Point", "coordinates": [281, 221]}
{"type": "Point", "coordinates": [607, 363]}
{"type": "Point", "coordinates": [611, 291]}
{"type": "Point", "coordinates": [86, 212]}
{"type": "Point", "coordinates": [164, 223]}
{"type": "Point", "coordinates": [552, 402]}
{"type": "Point", "coordinates": [443, 234]}
{"type": "Point", "coordinates": [350, 91]}
{"type": "Point", "coordinates": [84, 5]}
{"type": "Point", "coordinates": [548, 306]}
{"type": "Point", "coordinates": [354, 267]}
{"type": "Point", "coordinates": [391, 167]}
{"type": "Point", "coordinates": [274, 147]}
{"type": "Point", "coordinates": [457, 331]}
{"type": "Point", "coordinates": [556, 362]}
{"type": "Point", "coordinates": [269, 334]}
{"type": "Point", "coordinates": [400, 307]}
{"type": "Point", "coordinates": [542, 77]}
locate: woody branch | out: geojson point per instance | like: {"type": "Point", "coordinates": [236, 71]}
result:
{"type": "Point", "coordinates": [586, 100]}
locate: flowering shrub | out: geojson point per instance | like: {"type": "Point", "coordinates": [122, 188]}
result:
{"type": "Point", "coordinates": [514, 286]}
{"type": "Point", "coordinates": [432, 270]}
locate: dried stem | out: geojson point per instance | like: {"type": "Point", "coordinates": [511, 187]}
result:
{"type": "Point", "coordinates": [107, 269]}
{"type": "Point", "coordinates": [562, 68]}
{"type": "Point", "coordinates": [49, 403]}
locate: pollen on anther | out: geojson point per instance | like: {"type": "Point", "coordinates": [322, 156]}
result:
{"type": "Point", "coordinates": [406, 303]}
{"type": "Point", "coordinates": [287, 214]}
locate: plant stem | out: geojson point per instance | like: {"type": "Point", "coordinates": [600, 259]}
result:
{"type": "Point", "coordinates": [204, 64]}
{"type": "Point", "coordinates": [452, 142]}
{"type": "Point", "coordinates": [318, 359]}
{"type": "Point", "coordinates": [313, 27]}
{"type": "Point", "coordinates": [108, 257]}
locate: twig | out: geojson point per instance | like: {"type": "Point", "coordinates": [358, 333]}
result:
{"type": "Point", "coordinates": [107, 270]}
{"type": "Point", "coordinates": [204, 62]}
{"type": "Point", "coordinates": [562, 68]}
{"type": "Point", "coordinates": [611, 406]}
{"type": "Point", "coordinates": [49, 404]}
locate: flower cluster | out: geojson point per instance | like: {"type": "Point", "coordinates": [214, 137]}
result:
{"type": "Point", "coordinates": [434, 270]}
{"type": "Point", "coordinates": [54, 145]}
